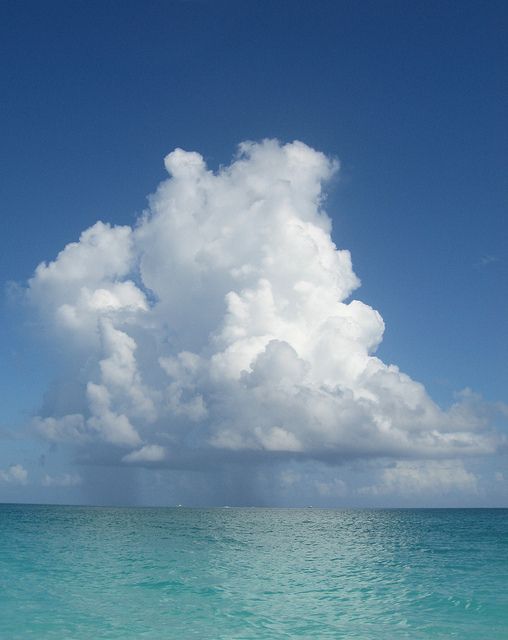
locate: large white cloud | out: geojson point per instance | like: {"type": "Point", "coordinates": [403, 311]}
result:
{"type": "Point", "coordinates": [223, 321]}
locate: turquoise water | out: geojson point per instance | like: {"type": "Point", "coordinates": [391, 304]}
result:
{"type": "Point", "coordinates": [81, 572]}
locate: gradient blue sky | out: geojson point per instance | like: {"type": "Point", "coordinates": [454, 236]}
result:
{"type": "Point", "coordinates": [411, 97]}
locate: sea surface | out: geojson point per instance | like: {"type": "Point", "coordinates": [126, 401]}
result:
{"type": "Point", "coordinates": [95, 572]}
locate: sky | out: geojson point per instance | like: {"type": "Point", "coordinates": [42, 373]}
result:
{"type": "Point", "coordinates": [254, 253]}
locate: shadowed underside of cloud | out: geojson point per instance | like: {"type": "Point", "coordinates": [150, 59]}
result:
{"type": "Point", "coordinates": [222, 325]}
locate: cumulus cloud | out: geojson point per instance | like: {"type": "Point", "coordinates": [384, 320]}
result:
{"type": "Point", "coordinates": [148, 453]}
{"type": "Point", "coordinates": [222, 322]}
{"type": "Point", "coordinates": [424, 477]}
{"type": "Point", "coordinates": [15, 474]}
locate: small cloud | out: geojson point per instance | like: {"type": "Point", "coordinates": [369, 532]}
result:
{"type": "Point", "coordinates": [64, 480]}
{"type": "Point", "coordinates": [148, 453]}
{"type": "Point", "coordinates": [69, 428]}
{"type": "Point", "coordinates": [336, 488]}
{"type": "Point", "coordinates": [485, 260]}
{"type": "Point", "coordinates": [289, 478]}
{"type": "Point", "coordinates": [423, 477]}
{"type": "Point", "coordinates": [15, 474]}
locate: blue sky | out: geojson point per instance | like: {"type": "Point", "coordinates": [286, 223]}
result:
{"type": "Point", "coordinates": [410, 97]}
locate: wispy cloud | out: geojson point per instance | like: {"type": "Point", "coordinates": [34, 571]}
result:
{"type": "Point", "coordinates": [486, 260]}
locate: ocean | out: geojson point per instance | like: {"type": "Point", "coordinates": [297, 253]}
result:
{"type": "Point", "coordinates": [252, 573]}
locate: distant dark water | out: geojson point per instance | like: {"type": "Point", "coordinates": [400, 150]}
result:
{"type": "Point", "coordinates": [84, 572]}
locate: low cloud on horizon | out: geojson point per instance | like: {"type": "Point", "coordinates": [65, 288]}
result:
{"type": "Point", "coordinates": [220, 329]}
